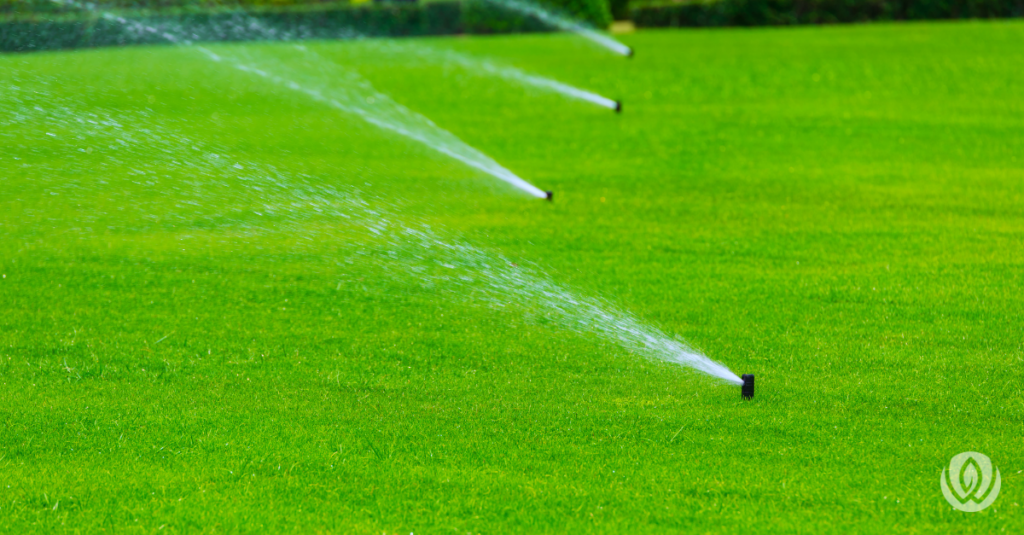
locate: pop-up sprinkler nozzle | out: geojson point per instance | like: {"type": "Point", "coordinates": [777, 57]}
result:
{"type": "Point", "coordinates": [549, 195]}
{"type": "Point", "coordinates": [629, 54]}
{"type": "Point", "coordinates": [748, 386]}
{"type": "Point", "coordinates": [618, 106]}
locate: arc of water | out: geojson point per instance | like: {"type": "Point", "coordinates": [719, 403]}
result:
{"type": "Point", "coordinates": [511, 74]}
{"type": "Point", "coordinates": [564, 23]}
{"type": "Point", "coordinates": [505, 72]}
{"type": "Point", "coordinates": [410, 253]}
{"type": "Point", "coordinates": [425, 132]}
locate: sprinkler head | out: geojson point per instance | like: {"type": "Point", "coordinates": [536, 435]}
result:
{"type": "Point", "coordinates": [629, 54]}
{"type": "Point", "coordinates": [747, 390]}
{"type": "Point", "coordinates": [618, 106]}
{"type": "Point", "coordinates": [549, 195]}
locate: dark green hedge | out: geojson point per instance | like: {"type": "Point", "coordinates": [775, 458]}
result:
{"type": "Point", "coordinates": [787, 12]}
{"type": "Point", "coordinates": [594, 12]}
{"type": "Point", "coordinates": [437, 18]}
{"type": "Point", "coordinates": [500, 16]}
{"type": "Point", "coordinates": [483, 16]}
{"type": "Point", "coordinates": [42, 24]}
{"type": "Point", "coordinates": [49, 6]}
{"type": "Point", "coordinates": [619, 9]}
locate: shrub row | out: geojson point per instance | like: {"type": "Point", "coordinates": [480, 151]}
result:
{"type": "Point", "coordinates": [51, 6]}
{"type": "Point", "coordinates": [787, 12]}
{"type": "Point", "coordinates": [592, 11]}
{"type": "Point", "coordinates": [369, 20]}
{"type": "Point", "coordinates": [44, 25]}
{"type": "Point", "coordinates": [384, 20]}
{"type": "Point", "coordinates": [595, 12]}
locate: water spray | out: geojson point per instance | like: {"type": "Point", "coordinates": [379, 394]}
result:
{"type": "Point", "coordinates": [564, 23]}
{"type": "Point", "coordinates": [410, 253]}
{"type": "Point", "coordinates": [506, 72]}
{"type": "Point", "coordinates": [494, 280]}
{"type": "Point", "coordinates": [353, 98]}
{"type": "Point", "coordinates": [747, 390]}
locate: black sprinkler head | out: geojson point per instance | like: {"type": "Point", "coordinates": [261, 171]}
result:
{"type": "Point", "coordinates": [549, 195]}
{"type": "Point", "coordinates": [618, 106]}
{"type": "Point", "coordinates": [630, 53]}
{"type": "Point", "coordinates": [747, 390]}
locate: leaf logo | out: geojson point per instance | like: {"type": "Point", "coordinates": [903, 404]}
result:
{"type": "Point", "coordinates": [968, 484]}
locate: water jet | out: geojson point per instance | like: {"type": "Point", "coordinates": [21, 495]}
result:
{"type": "Point", "coordinates": [566, 23]}
{"type": "Point", "coordinates": [354, 96]}
{"type": "Point", "coordinates": [491, 68]}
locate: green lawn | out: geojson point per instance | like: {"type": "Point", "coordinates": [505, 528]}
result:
{"type": "Point", "coordinates": [223, 344]}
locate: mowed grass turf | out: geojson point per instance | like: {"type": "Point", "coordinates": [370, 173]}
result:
{"type": "Point", "coordinates": [837, 210]}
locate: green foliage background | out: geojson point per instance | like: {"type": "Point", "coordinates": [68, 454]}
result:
{"type": "Point", "coordinates": [790, 12]}
{"type": "Point", "coordinates": [594, 12]}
